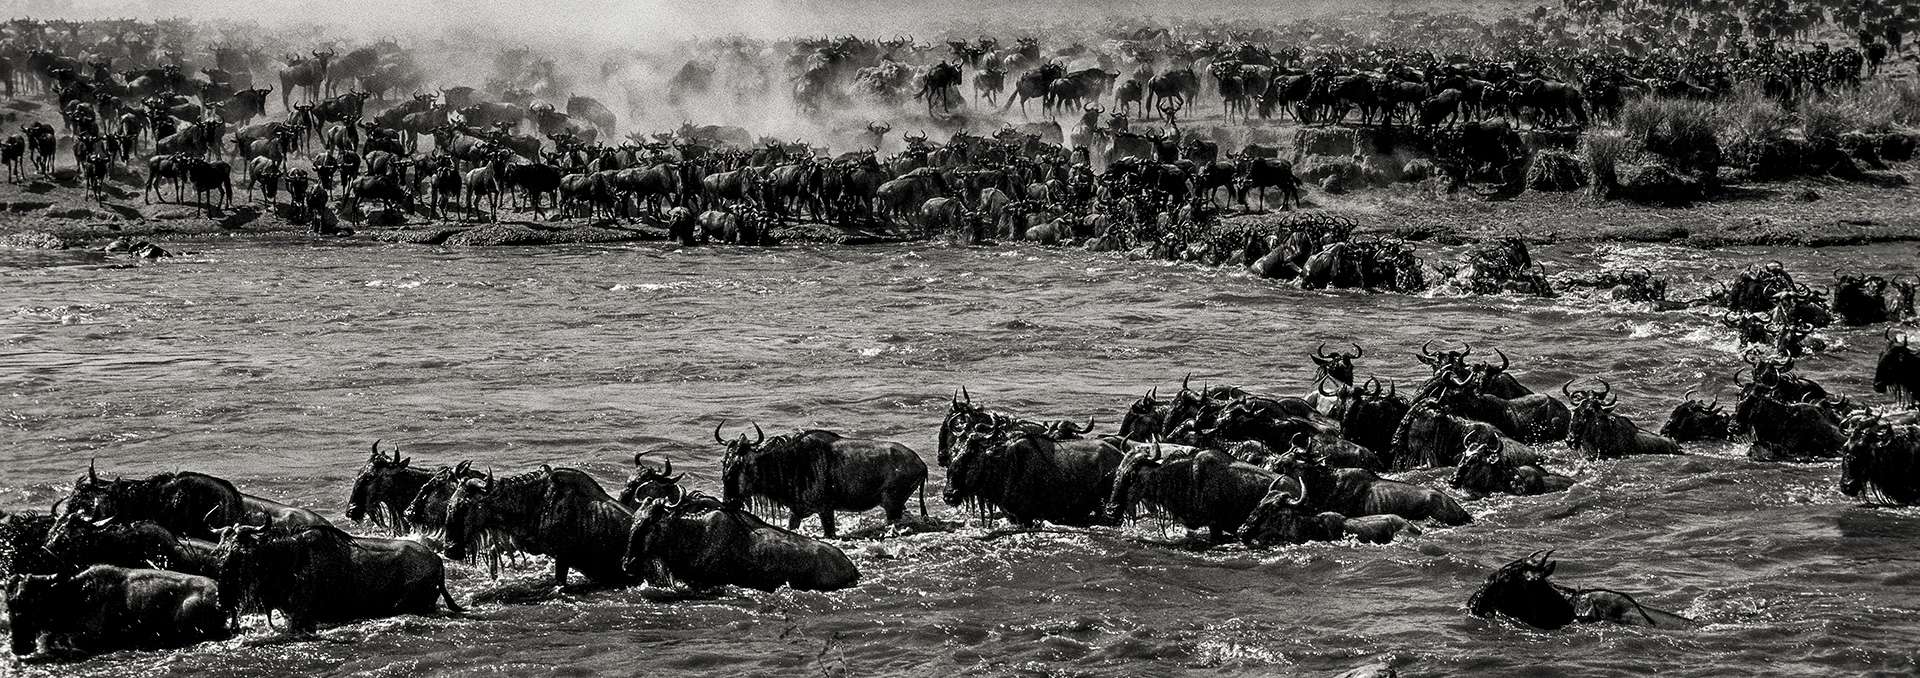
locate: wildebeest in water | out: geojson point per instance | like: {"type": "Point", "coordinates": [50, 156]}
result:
{"type": "Point", "coordinates": [819, 472]}
{"type": "Point", "coordinates": [321, 574]}
{"type": "Point", "coordinates": [1523, 591]}
{"type": "Point", "coordinates": [561, 513]}
{"type": "Point", "coordinates": [109, 608]}
{"type": "Point", "coordinates": [702, 542]}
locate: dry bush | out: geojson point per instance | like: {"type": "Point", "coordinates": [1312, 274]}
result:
{"type": "Point", "coordinates": [1603, 152]}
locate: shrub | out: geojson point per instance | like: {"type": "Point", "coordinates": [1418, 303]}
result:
{"type": "Point", "coordinates": [1555, 170]}
{"type": "Point", "coordinates": [1603, 152]}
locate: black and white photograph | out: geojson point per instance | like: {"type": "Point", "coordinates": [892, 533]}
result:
{"type": "Point", "coordinates": [903, 338]}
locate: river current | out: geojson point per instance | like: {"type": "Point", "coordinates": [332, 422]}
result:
{"type": "Point", "coordinates": [276, 363]}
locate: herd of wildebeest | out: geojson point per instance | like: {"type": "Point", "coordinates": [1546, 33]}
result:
{"type": "Point", "coordinates": [175, 558]}
{"type": "Point", "coordinates": [361, 126]}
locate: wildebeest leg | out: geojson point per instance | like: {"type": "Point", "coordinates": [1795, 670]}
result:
{"type": "Point", "coordinates": [559, 572]}
{"type": "Point", "coordinates": [794, 516]}
{"type": "Point", "coordinates": [826, 523]}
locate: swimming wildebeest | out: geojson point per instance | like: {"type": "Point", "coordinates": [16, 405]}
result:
{"type": "Point", "coordinates": [108, 608]}
{"type": "Point", "coordinates": [819, 472]}
{"type": "Point", "coordinates": [186, 503]}
{"type": "Point", "coordinates": [702, 542]}
{"type": "Point", "coordinates": [321, 574]}
{"type": "Point", "coordinates": [561, 513]}
{"type": "Point", "coordinates": [1522, 590]}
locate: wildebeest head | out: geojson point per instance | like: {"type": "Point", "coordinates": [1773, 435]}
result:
{"type": "Point", "coordinates": [646, 540]}
{"type": "Point", "coordinates": [1144, 418]}
{"type": "Point", "coordinates": [1283, 517]}
{"type": "Point", "coordinates": [1898, 369]}
{"type": "Point", "coordinates": [649, 482]}
{"type": "Point", "coordinates": [978, 462]}
{"type": "Point", "coordinates": [735, 468]}
{"type": "Point", "coordinates": [97, 499]}
{"type": "Point", "coordinates": [30, 599]}
{"type": "Point", "coordinates": [23, 536]}
{"type": "Point", "coordinates": [375, 494]}
{"type": "Point", "coordinates": [1751, 327]}
{"type": "Point", "coordinates": [470, 516]}
{"type": "Point", "coordinates": [1592, 413]}
{"type": "Point", "coordinates": [1337, 365]}
{"type": "Point", "coordinates": [1442, 360]}
{"type": "Point", "coordinates": [428, 509]}
{"type": "Point", "coordinates": [1696, 420]}
{"type": "Point", "coordinates": [1483, 469]}
{"type": "Point", "coordinates": [1881, 458]}
{"type": "Point", "coordinates": [1523, 590]}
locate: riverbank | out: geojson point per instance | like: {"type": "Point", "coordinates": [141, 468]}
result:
{"type": "Point", "coordinates": [1800, 212]}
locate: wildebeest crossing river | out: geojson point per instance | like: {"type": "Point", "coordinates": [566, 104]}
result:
{"type": "Point", "coordinates": [276, 364]}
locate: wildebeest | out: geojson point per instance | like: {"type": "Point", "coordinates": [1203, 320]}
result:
{"type": "Point", "coordinates": [702, 542]}
{"type": "Point", "coordinates": [1693, 420]}
{"type": "Point", "coordinates": [1602, 434]}
{"type": "Point", "coordinates": [192, 504]}
{"type": "Point", "coordinates": [1032, 477]}
{"type": "Point", "coordinates": [819, 472]}
{"type": "Point", "coordinates": [384, 488]}
{"type": "Point", "coordinates": [1522, 590]}
{"type": "Point", "coordinates": [13, 151]}
{"type": "Point", "coordinates": [1859, 299]}
{"type": "Point", "coordinates": [1356, 492]}
{"type": "Point", "coordinates": [1784, 430]}
{"type": "Point", "coordinates": [1282, 517]}
{"type": "Point", "coordinates": [561, 513]}
{"type": "Point", "coordinates": [1198, 488]}
{"type": "Point", "coordinates": [1486, 469]}
{"type": "Point", "coordinates": [427, 509]}
{"type": "Point", "coordinates": [1898, 370]}
{"type": "Point", "coordinates": [78, 543]}
{"type": "Point", "coordinates": [107, 608]}
{"type": "Point", "coordinates": [210, 176]}
{"type": "Point", "coordinates": [1261, 173]}
{"type": "Point", "coordinates": [1531, 418]}
{"type": "Point", "coordinates": [321, 574]}
{"type": "Point", "coordinates": [1881, 460]}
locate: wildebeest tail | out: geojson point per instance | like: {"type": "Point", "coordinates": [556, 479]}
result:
{"type": "Point", "coordinates": [923, 497]}
{"type": "Point", "coordinates": [448, 596]}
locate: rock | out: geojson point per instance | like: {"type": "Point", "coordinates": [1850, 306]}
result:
{"type": "Point", "coordinates": [1898, 146]}
{"type": "Point", "coordinates": [1659, 184]}
{"type": "Point", "coordinates": [1375, 670]}
{"type": "Point", "coordinates": [32, 240]}
{"type": "Point", "coordinates": [1334, 185]}
{"type": "Point", "coordinates": [1807, 195]}
{"type": "Point", "coordinates": [1311, 141]}
{"type": "Point", "coordinates": [493, 235]}
{"type": "Point", "coordinates": [1317, 168]}
{"type": "Point", "coordinates": [1418, 169]}
{"type": "Point", "coordinates": [386, 218]}
{"type": "Point", "coordinates": [68, 213]}
{"type": "Point", "coordinates": [174, 213]}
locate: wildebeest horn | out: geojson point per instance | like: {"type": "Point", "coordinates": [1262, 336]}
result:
{"type": "Point", "coordinates": [1468, 351]}
{"type": "Point", "coordinates": [1424, 348]}
{"type": "Point", "coordinates": [1321, 388]}
{"type": "Point", "coordinates": [462, 467]}
{"type": "Point", "coordinates": [1564, 391]}
{"type": "Point", "coordinates": [1688, 396]}
{"type": "Point", "coordinates": [637, 456]}
{"type": "Point", "coordinates": [716, 432]}
{"type": "Point", "coordinates": [965, 395]}
{"type": "Point", "coordinates": [1503, 359]}
{"type": "Point", "coordinates": [761, 436]}
{"type": "Point", "coordinates": [667, 469]}
{"type": "Point", "coordinates": [1321, 351]}
{"type": "Point", "coordinates": [679, 495]}
{"type": "Point", "coordinates": [1297, 437]}
{"type": "Point", "coordinates": [1184, 380]}
{"type": "Point", "coordinates": [92, 476]}
{"type": "Point", "coordinates": [1154, 393]}
{"type": "Point", "coordinates": [1358, 352]}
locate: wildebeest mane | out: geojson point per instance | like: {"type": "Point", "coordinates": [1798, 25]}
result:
{"type": "Point", "coordinates": [301, 570]}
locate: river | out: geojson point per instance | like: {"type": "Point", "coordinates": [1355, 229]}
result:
{"type": "Point", "coordinates": [276, 363]}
